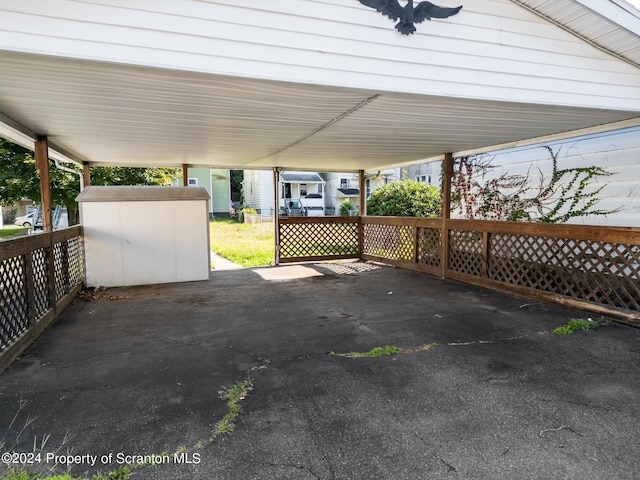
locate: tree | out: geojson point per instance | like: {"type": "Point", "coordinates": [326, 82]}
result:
{"type": "Point", "coordinates": [405, 198]}
{"type": "Point", "coordinates": [20, 178]}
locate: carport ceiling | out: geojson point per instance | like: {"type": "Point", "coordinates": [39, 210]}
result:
{"type": "Point", "coordinates": [110, 114]}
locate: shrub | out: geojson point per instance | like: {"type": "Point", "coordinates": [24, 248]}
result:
{"type": "Point", "coordinates": [345, 207]}
{"type": "Point", "coordinates": [405, 198]}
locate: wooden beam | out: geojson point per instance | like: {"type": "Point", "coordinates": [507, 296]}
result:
{"type": "Point", "coordinates": [86, 174]}
{"type": "Point", "coordinates": [185, 175]}
{"type": "Point", "coordinates": [42, 163]}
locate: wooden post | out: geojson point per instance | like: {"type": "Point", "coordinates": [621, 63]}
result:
{"type": "Point", "coordinates": [185, 175]}
{"type": "Point", "coordinates": [446, 210]}
{"type": "Point", "coordinates": [42, 163]}
{"type": "Point", "coordinates": [276, 215]}
{"type": "Point", "coordinates": [363, 191]}
{"type": "Point", "coordinates": [86, 174]}
{"type": "Point", "coordinates": [363, 212]}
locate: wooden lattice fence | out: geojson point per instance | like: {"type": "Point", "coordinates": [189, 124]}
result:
{"type": "Point", "coordinates": [593, 268]}
{"type": "Point", "coordinates": [39, 275]}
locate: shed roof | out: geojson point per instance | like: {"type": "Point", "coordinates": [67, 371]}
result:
{"type": "Point", "coordinates": [96, 193]}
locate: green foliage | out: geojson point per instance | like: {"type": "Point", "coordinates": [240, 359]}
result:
{"type": "Point", "coordinates": [249, 210]}
{"type": "Point", "coordinates": [345, 207]}
{"type": "Point", "coordinates": [565, 194]}
{"type": "Point", "coordinates": [374, 352]}
{"type": "Point", "coordinates": [405, 198]}
{"type": "Point", "coordinates": [19, 178]}
{"type": "Point", "coordinates": [233, 396]}
{"type": "Point", "coordinates": [575, 324]}
{"type": "Point", "coordinates": [132, 176]}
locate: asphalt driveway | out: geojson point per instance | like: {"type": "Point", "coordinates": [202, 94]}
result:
{"type": "Point", "coordinates": [483, 390]}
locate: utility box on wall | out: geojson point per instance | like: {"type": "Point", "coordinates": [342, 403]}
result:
{"type": "Point", "coordinates": [144, 235]}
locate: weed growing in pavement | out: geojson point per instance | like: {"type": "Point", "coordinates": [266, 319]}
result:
{"type": "Point", "coordinates": [225, 426]}
{"type": "Point", "coordinates": [575, 324]}
{"type": "Point", "coordinates": [380, 351]}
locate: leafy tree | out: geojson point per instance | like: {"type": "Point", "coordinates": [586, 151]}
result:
{"type": "Point", "coordinates": [405, 198]}
{"type": "Point", "coordinates": [20, 179]}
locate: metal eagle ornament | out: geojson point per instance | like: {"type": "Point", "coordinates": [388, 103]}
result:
{"type": "Point", "coordinates": [409, 15]}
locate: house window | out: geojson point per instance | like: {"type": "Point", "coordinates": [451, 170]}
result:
{"type": "Point", "coordinates": [192, 182]}
{"type": "Point", "coordinates": [303, 189]}
{"type": "Point", "coordinates": [368, 185]}
{"type": "Point", "coordinates": [343, 183]}
{"type": "Point", "coordinates": [429, 179]}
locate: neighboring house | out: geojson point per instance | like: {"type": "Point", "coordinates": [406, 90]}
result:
{"type": "Point", "coordinates": [424, 173]}
{"type": "Point", "coordinates": [298, 192]}
{"type": "Point", "coordinates": [216, 182]}
{"type": "Point", "coordinates": [258, 190]}
{"type": "Point", "coordinates": [342, 187]}
{"type": "Point", "coordinates": [617, 152]}
{"type": "Point", "coordinates": [301, 193]}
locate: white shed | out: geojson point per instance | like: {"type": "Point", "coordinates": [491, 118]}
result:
{"type": "Point", "coordinates": [144, 235]}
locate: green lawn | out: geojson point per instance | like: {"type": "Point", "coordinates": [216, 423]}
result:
{"type": "Point", "coordinates": [12, 231]}
{"type": "Point", "coordinates": [246, 245]}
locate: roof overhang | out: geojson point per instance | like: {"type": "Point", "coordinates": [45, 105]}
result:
{"type": "Point", "coordinates": [117, 113]}
{"type": "Point", "coordinates": [111, 114]}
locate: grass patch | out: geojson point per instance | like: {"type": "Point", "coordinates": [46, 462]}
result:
{"type": "Point", "coordinates": [12, 232]}
{"type": "Point", "coordinates": [385, 350]}
{"type": "Point", "coordinates": [246, 245]}
{"type": "Point", "coordinates": [233, 396]}
{"type": "Point", "coordinates": [575, 324]}
{"type": "Point", "coordinates": [374, 352]}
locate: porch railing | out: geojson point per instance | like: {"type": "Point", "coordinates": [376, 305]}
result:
{"type": "Point", "coordinates": [592, 268]}
{"type": "Point", "coordinates": [39, 275]}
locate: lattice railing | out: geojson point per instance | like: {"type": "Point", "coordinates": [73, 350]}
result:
{"type": "Point", "coordinates": [429, 247]}
{"type": "Point", "coordinates": [37, 273]}
{"type": "Point", "coordinates": [316, 238]}
{"type": "Point", "coordinates": [393, 242]}
{"type": "Point", "coordinates": [599, 272]}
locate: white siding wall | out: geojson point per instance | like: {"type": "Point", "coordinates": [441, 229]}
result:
{"type": "Point", "coordinates": [617, 152]}
{"type": "Point", "coordinates": [258, 190]}
{"type": "Point", "coordinates": [493, 49]}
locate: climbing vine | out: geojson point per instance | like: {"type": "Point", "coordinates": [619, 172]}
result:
{"type": "Point", "coordinates": [478, 192]}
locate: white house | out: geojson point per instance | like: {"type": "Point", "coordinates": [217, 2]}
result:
{"type": "Point", "coordinates": [299, 193]}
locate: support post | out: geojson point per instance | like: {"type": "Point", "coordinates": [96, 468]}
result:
{"type": "Point", "coordinates": [276, 215]}
{"type": "Point", "coordinates": [185, 175]}
{"type": "Point", "coordinates": [447, 174]}
{"type": "Point", "coordinates": [42, 163]}
{"type": "Point", "coordinates": [363, 191]}
{"type": "Point", "coordinates": [86, 174]}
{"type": "Point", "coordinates": [363, 212]}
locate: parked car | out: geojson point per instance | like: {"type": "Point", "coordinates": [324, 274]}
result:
{"type": "Point", "coordinates": [25, 220]}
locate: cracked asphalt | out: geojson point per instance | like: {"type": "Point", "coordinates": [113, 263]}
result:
{"type": "Point", "coordinates": [136, 371]}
